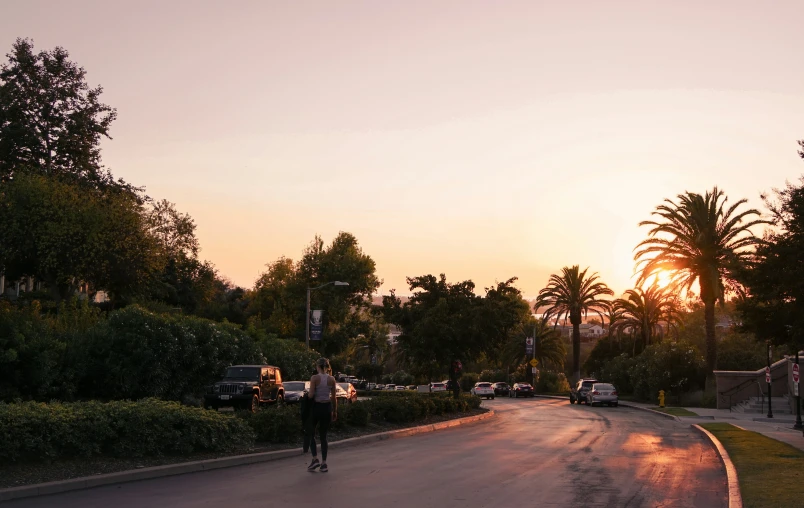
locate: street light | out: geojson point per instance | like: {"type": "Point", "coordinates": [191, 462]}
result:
{"type": "Point", "coordinates": [307, 321]}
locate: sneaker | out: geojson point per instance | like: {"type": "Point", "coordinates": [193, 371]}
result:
{"type": "Point", "coordinates": [324, 468]}
{"type": "Point", "coordinates": [313, 466]}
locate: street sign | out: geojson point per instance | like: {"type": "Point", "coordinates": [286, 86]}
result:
{"type": "Point", "coordinates": [534, 370]}
{"type": "Point", "coordinates": [534, 362]}
{"type": "Point", "coordinates": [795, 373]}
{"type": "Point", "coordinates": [529, 346]}
{"type": "Point", "coordinates": [767, 375]}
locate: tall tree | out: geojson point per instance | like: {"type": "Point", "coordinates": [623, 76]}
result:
{"type": "Point", "coordinates": [437, 324]}
{"type": "Point", "coordinates": [66, 234]}
{"type": "Point", "coordinates": [51, 121]}
{"type": "Point", "coordinates": [573, 294]}
{"type": "Point", "coordinates": [499, 314]}
{"type": "Point", "coordinates": [774, 305]}
{"type": "Point", "coordinates": [699, 238]}
{"type": "Point", "coordinates": [645, 312]}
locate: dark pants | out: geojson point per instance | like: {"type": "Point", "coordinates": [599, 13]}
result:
{"type": "Point", "coordinates": [321, 416]}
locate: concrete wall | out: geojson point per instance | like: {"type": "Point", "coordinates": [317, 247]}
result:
{"type": "Point", "coordinates": [727, 380]}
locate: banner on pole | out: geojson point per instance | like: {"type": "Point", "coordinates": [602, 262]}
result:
{"type": "Point", "coordinates": [316, 324]}
{"type": "Point", "coordinates": [529, 346]}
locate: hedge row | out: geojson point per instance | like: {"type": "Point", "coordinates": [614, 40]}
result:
{"type": "Point", "coordinates": [33, 431]}
{"type": "Point", "coordinates": [39, 431]}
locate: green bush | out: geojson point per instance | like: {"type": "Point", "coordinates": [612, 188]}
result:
{"type": "Point", "coordinates": [357, 413]}
{"type": "Point", "coordinates": [468, 381]}
{"type": "Point", "coordinates": [617, 371]}
{"type": "Point", "coordinates": [552, 382]}
{"type": "Point", "coordinates": [293, 358]}
{"type": "Point", "coordinates": [34, 431]}
{"type": "Point", "coordinates": [276, 424]}
{"type": "Point", "coordinates": [136, 353]}
{"type": "Point", "coordinates": [673, 367]}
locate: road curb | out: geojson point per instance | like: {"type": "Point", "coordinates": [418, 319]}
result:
{"type": "Point", "coordinates": [147, 473]}
{"type": "Point", "coordinates": [621, 403]}
{"type": "Point", "coordinates": [735, 498]}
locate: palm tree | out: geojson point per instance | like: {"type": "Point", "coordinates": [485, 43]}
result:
{"type": "Point", "coordinates": [572, 295]}
{"type": "Point", "coordinates": [548, 347]}
{"type": "Point", "coordinates": [613, 315]}
{"type": "Point", "coordinates": [698, 239]}
{"type": "Point", "coordinates": [644, 311]}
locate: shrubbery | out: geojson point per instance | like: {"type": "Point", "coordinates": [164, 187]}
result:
{"type": "Point", "coordinates": [37, 431]}
{"type": "Point", "coordinates": [278, 424]}
{"type": "Point", "coordinates": [673, 367]}
{"type": "Point", "coordinates": [552, 382]}
{"type": "Point", "coordinates": [132, 354]}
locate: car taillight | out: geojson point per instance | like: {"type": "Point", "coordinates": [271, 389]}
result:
{"type": "Point", "coordinates": [614, 392]}
{"type": "Point", "coordinates": [595, 392]}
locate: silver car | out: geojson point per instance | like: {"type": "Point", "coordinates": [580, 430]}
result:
{"type": "Point", "coordinates": [602, 393]}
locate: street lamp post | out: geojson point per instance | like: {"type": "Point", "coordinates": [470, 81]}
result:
{"type": "Point", "coordinates": [770, 382]}
{"type": "Point", "coordinates": [307, 320]}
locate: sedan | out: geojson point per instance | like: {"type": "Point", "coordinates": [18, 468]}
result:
{"type": "Point", "coordinates": [521, 389]}
{"type": "Point", "coordinates": [602, 393]}
{"type": "Point", "coordinates": [438, 387]}
{"type": "Point", "coordinates": [400, 388]}
{"type": "Point", "coordinates": [483, 390]}
{"type": "Point", "coordinates": [294, 390]}
{"type": "Point", "coordinates": [501, 389]}
{"type": "Point", "coordinates": [351, 393]}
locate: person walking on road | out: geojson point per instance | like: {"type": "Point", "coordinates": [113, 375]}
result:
{"type": "Point", "coordinates": [323, 412]}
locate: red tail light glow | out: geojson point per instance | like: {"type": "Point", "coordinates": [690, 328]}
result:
{"type": "Point", "coordinates": [614, 392]}
{"type": "Point", "coordinates": [595, 392]}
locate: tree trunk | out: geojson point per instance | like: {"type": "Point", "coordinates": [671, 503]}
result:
{"type": "Point", "coordinates": [576, 350]}
{"type": "Point", "coordinates": [711, 342]}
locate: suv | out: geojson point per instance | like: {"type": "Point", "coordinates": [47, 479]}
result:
{"type": "Point", "coordinates": [581, 388]}
{"type": "Point", "coordinates": [246, 387]}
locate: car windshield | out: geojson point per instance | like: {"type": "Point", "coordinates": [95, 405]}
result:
{"type": "Point", "coordinates": [345, 386]}
{"type": "Point", "coordinates": [249, 373]}
{"type": "Point", "coordinates": [603, 386]}
{"type": "Point", "coordinates": [438, 384]}
{"type": "Point", "coordinates": [524, 385]}
{"type": "Point", "coordinates": [294, 386]}
{"type": "Point", "coordinates": [587, 384]}
{"type": "Point", "coordinates": [484, 385]}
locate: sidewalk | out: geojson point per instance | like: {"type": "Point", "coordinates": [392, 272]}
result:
{"type": "Point", "coordinates": [779, 428]}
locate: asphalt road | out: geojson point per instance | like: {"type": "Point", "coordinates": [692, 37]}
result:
{"type": "Point", "coordinates": [536, 452]}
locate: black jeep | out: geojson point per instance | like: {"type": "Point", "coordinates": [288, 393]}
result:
{"type": "Point", "coordinates": [246, 387]}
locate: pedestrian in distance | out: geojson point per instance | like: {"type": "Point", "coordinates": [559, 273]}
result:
{"type": "Point", "coordinates": [323, 411]}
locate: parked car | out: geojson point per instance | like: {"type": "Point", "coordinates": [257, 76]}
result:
{"type": "Point", "coordinates": [294, 390]}
{"type": "Point", "coordinates": [379, 387]}
{"type": "Point", "coordinates": [390, 388]}
{"type": "Point", "coordinates": [438, 387]}
{"type": "Point", "coordinates": [578, 392]}
{"type": "Point", "coordinates": [351, 392]}
{"type": "Point", "coordinates": [400, 388]}
{"type": "Point", "coordinates": [521, 390]}
{"type": "Point", "coordinates": [246, 387]}
{"type": "Point", "coordinates": [602, 393]}
{"type": "Point", "coordinates": [483, 389]}
{"type": "Point", "coordinates": [501, 389]}
{"type": "Point", "coordinates": [410, 387]}
{"type": "Point", "coordinates": [341, 394]}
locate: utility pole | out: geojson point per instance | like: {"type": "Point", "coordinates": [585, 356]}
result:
{"type": "Point", "coordinates": [797, 387]}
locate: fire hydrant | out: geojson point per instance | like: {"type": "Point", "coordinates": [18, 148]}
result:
{"type": "Point", "coordinates": [661, 398]}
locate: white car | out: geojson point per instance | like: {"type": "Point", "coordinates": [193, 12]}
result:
{"type": "Point", "coordinates": [483, 389]}
{"type": "Point", "coordinates": [390, 388]}
{"type": "Point", "coordinates": [400, 388]}
{"type": "Point", "coordinates": [438, 387]}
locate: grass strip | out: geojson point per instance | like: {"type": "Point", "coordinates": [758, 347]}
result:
{"type": "Point", "coordinates": [675, 411]}
{"type": "Point", "coordinates": [769, 471]}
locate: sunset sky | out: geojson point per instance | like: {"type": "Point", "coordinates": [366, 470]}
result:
{"type": "Point", "coordinates": [481, 139]}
